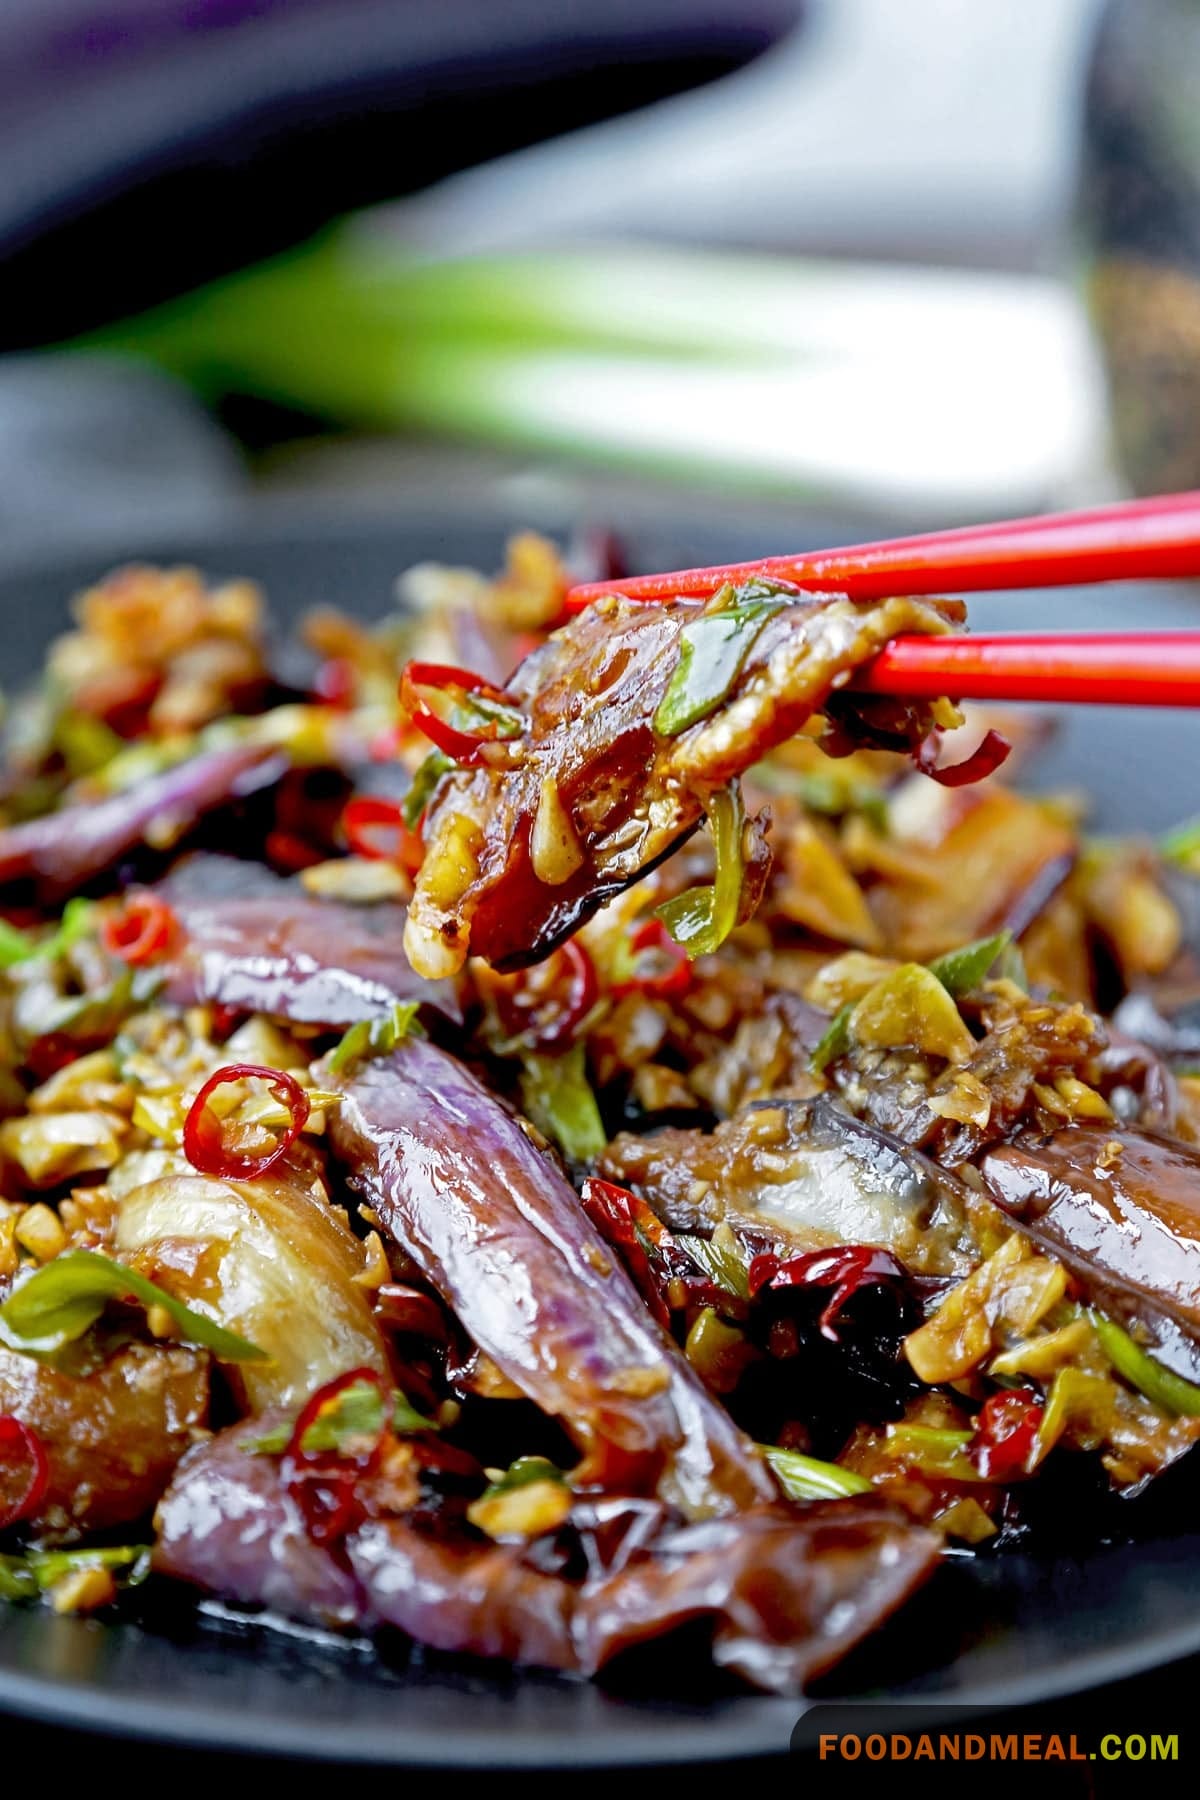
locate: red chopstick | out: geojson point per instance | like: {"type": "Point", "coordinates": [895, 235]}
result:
{"type": "Point", "coordinates": [1151, 668]}
{"type": "Point", "coordinates": [1134, 540]}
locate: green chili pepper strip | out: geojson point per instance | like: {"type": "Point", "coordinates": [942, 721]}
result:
{"type": "Point", "coordinates": [834, 1040]}
{"type": "Point", "coordinates": [375, 1037]}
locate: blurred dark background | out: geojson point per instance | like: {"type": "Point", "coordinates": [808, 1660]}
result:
{"type": "Point", "coordinates": [156, 144]}
{"type": "Point", "coordinates": [840, 257]}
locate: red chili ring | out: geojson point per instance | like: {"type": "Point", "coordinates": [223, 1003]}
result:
{"type": "Point", "coordinates": [288, 850]}
{"type": "Point", "coordinates": [14, 1435]}
{"type": "Point", "coordinates": [462, 746]}
{"type": "Point", "coordinates": [991, 750]}
{"type": "Point", "coordinates": [141, 930]}
{"type": "Point", "coordinates": [324, 1483]}
{"type": "Point", "coordinates": [674, 981]}
{"type": "Point", "coordinates": [583, 988]}
{"type": "Point", "coordinates": [316, 1404]}
{"type": "Point", "coordinates": [365, 816]}
{"type": "Point", "coordinates": [203, 1142]}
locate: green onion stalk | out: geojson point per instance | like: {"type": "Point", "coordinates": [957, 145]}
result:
{"type": "Point", "coordinates": [751, 371]}
{"type": "Point", "coordinates": [640, 357]}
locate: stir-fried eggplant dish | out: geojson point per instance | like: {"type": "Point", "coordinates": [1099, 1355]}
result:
{"type": "Point", "coordinates": [530, 1133]}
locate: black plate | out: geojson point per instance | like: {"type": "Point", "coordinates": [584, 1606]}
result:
{"type": "Point", "coordinates": [989, 1631]}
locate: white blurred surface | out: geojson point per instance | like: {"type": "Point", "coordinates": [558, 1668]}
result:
{"type": "Point", "coordinates": [937, 130]}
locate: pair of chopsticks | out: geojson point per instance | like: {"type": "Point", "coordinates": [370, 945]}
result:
{"type": "Point", "coordinates": [1133, 540]}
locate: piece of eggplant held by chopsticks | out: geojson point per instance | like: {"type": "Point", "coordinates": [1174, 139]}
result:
{"type": "Point", "coordinates": [612, 742]}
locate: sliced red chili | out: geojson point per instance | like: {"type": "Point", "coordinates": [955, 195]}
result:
{"type": "Point", "coordinates": [204, 1138]}
{"type": "Point", "coordinates": [544, 1007]}
{"type": "Point", "coordinates": [1006, 1430]}
{"type": "Point", "coordinates": [324, 1483]}
{"type": "Point", "coordinates": [991, 750]}
{"type": "Point", "coordinates": [142, 928]}
{"type": "Point", "coordinates": [375, 828]}
{"type": "Point", "coordinates": [463, 745]}
{"type": "Point", "coordinates": [844, 1267]}
{"type": "Point", "coordinates": [24, 1471]}
{"type": "Point", "coordinates": [336, 682]}
{"type": "Point", "coordinates": [662, 969]}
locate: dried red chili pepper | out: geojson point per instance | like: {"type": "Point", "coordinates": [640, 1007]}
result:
{"type": "Point", "coordinates": [375, 828]}
{"type": "Point", "coordinates": [324, 1482]}
{"type": "Point", "coordinates": [407, 1309]}
{"type": "Point", "coordinates": [1006, 1429]}
{"type": "Point", "coordinates": [204, 1142]}
{"type": "Point", "coordinates": [462, 745]}
{"type": "Point", "coordinates": [673, 976]}
{"type": "Point", "coordinates": [289, 851]}
{"type": "Point", "coordinates": [544, 1007]}
{"type": "Point", "coordinates": [142, 928]}
{"type": "Point", "coordinates": [991, 750]}
{"type": "Point", "coordinates": [844, 1267]}
{"type": "Point", "coordinates": [663, 1272]}
{"type": "Point", "coordinates": [441, 1458]}
{"type": "Point", "coordinates": [629, 1225]}
{"type": "Point", "coordinates": [24, 1471]}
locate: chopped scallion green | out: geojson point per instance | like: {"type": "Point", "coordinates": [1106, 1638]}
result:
{"type": "Point", "coordinates": [59, 1302]}
{"type": "Point", "coordinates": [375, 1037]}
{"type": "Point", "coordinates": [701, 918]}
{"type": "Point", "coordinates": [1142, 1371]}
{"type": "Point", "coordinates": [961, 971]}
{"type": "Point", "coordinates": [805, 1478]}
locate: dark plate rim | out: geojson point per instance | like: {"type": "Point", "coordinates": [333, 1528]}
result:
{"type": "Point", "coordinates": [647, 1736]}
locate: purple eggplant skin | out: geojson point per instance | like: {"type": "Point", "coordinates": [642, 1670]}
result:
{"type": "Point", "coordinates": [787, 1591]}
{"type": "Point", "coordinates": [1121, 1210]}
{"type": "Point", "coordinates": [67, 849]}
{"type": "Point", "coordinates": [497, 1229]}
{"type": "Point", "coordinates": [226, 1524]}
{"type": "Point", "coordinates": [261, 944]}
